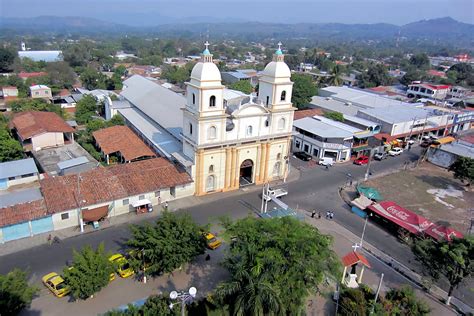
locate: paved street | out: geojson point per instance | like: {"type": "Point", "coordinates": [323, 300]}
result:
{"type": "Point", "coordinates": [317, 188]}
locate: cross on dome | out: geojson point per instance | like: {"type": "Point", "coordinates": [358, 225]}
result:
{"type": "Point", "coordinates": [206, 51]}
{"type": "Point", "coordinates": [278, 51]}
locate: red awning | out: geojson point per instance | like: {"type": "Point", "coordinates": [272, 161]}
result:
{"type": "Point", "coordinates": [95, 214]}
{"type": "Point", "coordinates": [442, 232]}
{"type": "Point", "coordinates": [412, 222]}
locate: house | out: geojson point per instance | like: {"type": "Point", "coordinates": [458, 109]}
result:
{"type": "Point", "coordinates": [112, 191]}
{"type": "Point", "coordinates": [446, 154]}
{"type": "Point", "coordinates": [18, 172]}
{"type": "Point", "coordinates": [231, 77]}
{"type": "Point", "coordinates": [426, 90]}
{"type": "Point", "coordinates": [122, 144]}
{"type": "Point", "coordinates": [40, 91]}
{"type": "Point", "coordinates": [323, 138]}
{"type": "Point", "coordinates": [37, 130]}
{"type": "Point", "coordinates": [9, 92]}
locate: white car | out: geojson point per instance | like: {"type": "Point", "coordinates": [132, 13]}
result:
{"type": "Point", "coordinates": [395, 151]}
{"type": "Point", "coordinates": [326, 161]}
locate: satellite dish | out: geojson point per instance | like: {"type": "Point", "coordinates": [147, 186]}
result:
{"type": "Point", "coordinates": [192, 291]}
{"type": "Point", "coordinates": [174, 295]}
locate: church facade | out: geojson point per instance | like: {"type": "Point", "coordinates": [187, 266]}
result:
{"type": "Point", "coordinates": [239, 142]}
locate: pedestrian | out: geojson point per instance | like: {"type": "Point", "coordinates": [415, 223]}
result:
{"type": "Point", "coordinates": [313, 213]}
{"type": "Point", "coordinates": [208, 257]}
{"type": "Point", "coordinates": [166, 205]}
{"type": "Point", "coordinates": [327, 214]}
{"type": "Point", "coordinates": [327, 167]}
{"type": "Point", "coordinates": [350, 182]}
{"type": "Point", "coordinates": [331, 215]}
{"type": "Point", "coordinates": [319, 215]}
{"type": "Point", "coordinates": [159, 200]}
{"type": "Point", "coordinates": [50, 239]}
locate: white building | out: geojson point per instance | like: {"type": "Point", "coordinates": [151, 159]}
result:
{"type": "Point", "coordinates": [237, 144]}
{"type": "Point", "coordinates": [425, 90]}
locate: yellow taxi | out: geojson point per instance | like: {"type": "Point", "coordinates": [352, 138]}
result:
{"type": "Point", "coordinates": [122, 265]}
{"type": "Point", "coordinates": [55, 283]}
{"type": "Point", "coordinates": [212, 241]}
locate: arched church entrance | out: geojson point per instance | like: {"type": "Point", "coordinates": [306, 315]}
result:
{"type": "Point", "coordinates": [246, 173]}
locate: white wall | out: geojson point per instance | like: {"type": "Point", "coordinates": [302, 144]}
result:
{"type": "Point", "coordinates": [20, 180]}
{"type": "Point", "coordinates": [47, 140]}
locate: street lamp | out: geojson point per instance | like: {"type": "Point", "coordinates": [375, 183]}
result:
{"type": "Point", "coordinates": [363, 230]}
{"type": "Point", "coordinates": [183, 298]}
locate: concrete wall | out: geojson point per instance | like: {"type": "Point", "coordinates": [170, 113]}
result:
{"type": "Point", "coordinates": [46, 140]}
{"type": "Point", "coordinates": [20, 180]}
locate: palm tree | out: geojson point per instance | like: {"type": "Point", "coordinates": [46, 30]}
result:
{"type": "Point", "coordinates": [335, 78]}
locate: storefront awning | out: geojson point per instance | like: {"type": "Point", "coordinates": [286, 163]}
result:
{"type": "Point", "coordinates": [141, 203]}
{"type": "Point", "coordinates": [442, 232]}
{"type": "Point", "coordinates": [412, 222]}
{"type": "Point", "coordinates": [369, 192]}
{"type": "Point", "coordinates": [95, 214]}
{"type": "Point", "coordinates": [360, 148]}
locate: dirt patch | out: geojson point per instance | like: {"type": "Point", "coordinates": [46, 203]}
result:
{"type": "Point", "coordinates": [429, 191]}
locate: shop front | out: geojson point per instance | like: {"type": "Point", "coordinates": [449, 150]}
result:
{"type": "Point", "coordinates": [142, 206]}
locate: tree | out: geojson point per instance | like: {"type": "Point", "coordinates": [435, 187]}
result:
{"type": "Point", "coordinates": [335, 78]}
{"type": "Point", "coordinates": [6, 59]}
{"type": "Point", "coordinates": [453, 260]}
{"type": "Point", "coordinates": [403, 301]}
{"type": "Point", "coordinates": [168, 244]}
{"type": "Point", "coordinates": [243, 86]}
{"type": "Point", "coordinates": [15, 292]}
{"type": "Point", "coordinates": [61, 74]}
{"type": "Point", "coordinates": [463, 169]}
{"type": "Point", "coordinates": [421, 61]}
{"type": "Point", "coordinates": [376, 75]}
{"type": "Point", "coordinates": [303, 89]}
{"type": "Point", "coordinates": [22, 105]}
{"type": "Point", "coordinates": [92, 79]}
{"type": "Point", "coordinates": [10, 148]}
{"type": "Point", "coordinates": [267, 255]}
{"type": "Point", "coordinates": [90, 272]}
{"type": "Point", "coordinates": [461, 73]}
{"type": "Point", "coordinates": [336, 116]}
{"type": "Point", "coordinates": [410, 76]}
{"type": "Point", "coordinates": [86, 108]}
{"type": "Point", "coordinates": [177, 75]}
{"type": "Point", "coordinates": [154, 305]}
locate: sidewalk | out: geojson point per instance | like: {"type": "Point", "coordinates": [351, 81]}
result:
{"type": "Point", "coordinates": [343, 241]}
{"type": "Point", "coordinates": [131, 218]}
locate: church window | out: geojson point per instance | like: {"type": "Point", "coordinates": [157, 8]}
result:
{"type": "Point", "coordinates": [276, 169]}
{"type": "Point", "coordinates": [211, 168]}
{"type": "Point", "coordinates": [283, 96]}
{"type": "Point", "coordinates": [281, 123]}
{"type": "Point", "coordinates": [249, 130]}
{"type": "Point", "coordinates": [267, 123]}
{"type": "Point", "coordinates": [268, 100]}
{"type": "Point", "coordinates": [210, 183]}
{"type": "Point", "coordinates": [194, 98]}
{"type": "Point", "coordinates": [212, 132]}
{"type": "Point", "coordinates": [212, 101]}
{"type": "Point", "coordinates": [278, 156]}
{"type": "Point", "coordinates": [190, 128]}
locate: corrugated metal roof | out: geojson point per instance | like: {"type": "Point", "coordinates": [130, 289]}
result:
{"type": "Point", "coordinates": [72, 162]}
{"type": "Point", "coordinates": [459, 149]}
{"type": "Point", "coordinates": [359, 120]}
{"type": "Point", "coordinates": [321, 129]}
{"type": "Point", "coordinates": [158, 103]}
{"type": "Point", "coordinates": [17, 168]}
{"type": "Point", "coordinates": [398, 114]}
{"type": "Point", "coordinates": [17, 197]}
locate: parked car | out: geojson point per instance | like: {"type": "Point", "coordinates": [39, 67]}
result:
{"type": "Point", "coordinates": [362, 160]}
{"type": "Point", "coordinates": [111, 276]}
{"type": "Point", "coordinates": [326, 161]}
{"type": "Point", "coordinates": [395, 151]}
{"type": "Point", "coordinates": [212, 241]}
{"type": "Point", "coordinates": [275, 193]}
{"type": "Point", "coordinates": [425, 144]}
{"type": "Point", "coordinates": [122, 265]}
{"type": "Point", "coordinates": [380, 156]}
{"type": "Point", "coordinates": [56, 284]}
{"type": "Point", "coordinates": [302, 155]}
{"type": "Point", "coordinates": [410, 142]}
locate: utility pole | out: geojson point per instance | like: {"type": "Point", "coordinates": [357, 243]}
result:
{"type": "Point", "coordinates": [367, 172]}
{"type": "Point", "coordinates": [377, 294]}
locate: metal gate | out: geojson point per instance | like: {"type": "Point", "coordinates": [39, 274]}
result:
{"type": "Point", "coordinates": [16, 231]}
{"type": "Point", "coordinates": [42, 225]}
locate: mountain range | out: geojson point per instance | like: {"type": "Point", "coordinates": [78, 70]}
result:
{"type": "Point", "coordinates": [441, 30]}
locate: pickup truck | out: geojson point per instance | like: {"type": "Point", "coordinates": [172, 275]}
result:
{"type": "Point", "coordinates": [275, 193]}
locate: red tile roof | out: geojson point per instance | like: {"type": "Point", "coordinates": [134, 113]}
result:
{"type": "Point", "coordinates": [122, 139]}
{"type": "Point", "coordinates": [307, 113]}
{"type": "Point", "coordinates": [25, 75]}
{"type": "Point", "coordinates": [436, 73]}
{"type": "Point", "coordinates": [353, 258]}
{"type": "Point", "coordinates": [111, 183]}
{"type": "Point", "coordinates": [31, 123]}
{"type": "Point", "coordinates": [23, 212]}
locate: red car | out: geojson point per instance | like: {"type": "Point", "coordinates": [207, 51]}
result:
{"type": "Point", "coordinates": [362, 160]}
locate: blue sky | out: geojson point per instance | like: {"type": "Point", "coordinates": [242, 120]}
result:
{"type": "Point", "coordinates": [148, 11]}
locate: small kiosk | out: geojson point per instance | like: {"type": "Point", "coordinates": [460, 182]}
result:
{"type": "Point", "coordinates": [351, 260]}
{"type": "Point", "coordinates": [142, 206]}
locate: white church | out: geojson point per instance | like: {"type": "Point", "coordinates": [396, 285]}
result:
{"type": "Point", "coordinates": [223, 138]}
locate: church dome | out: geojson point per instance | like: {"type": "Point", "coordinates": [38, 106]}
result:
{"type": "Point", "coordinates": [206, 71]}
{"type": "Point", "coordinates": [277, 69]}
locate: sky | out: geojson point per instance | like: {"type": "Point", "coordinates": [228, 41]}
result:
{"type": "Point", "coordinates": [152, 12]}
